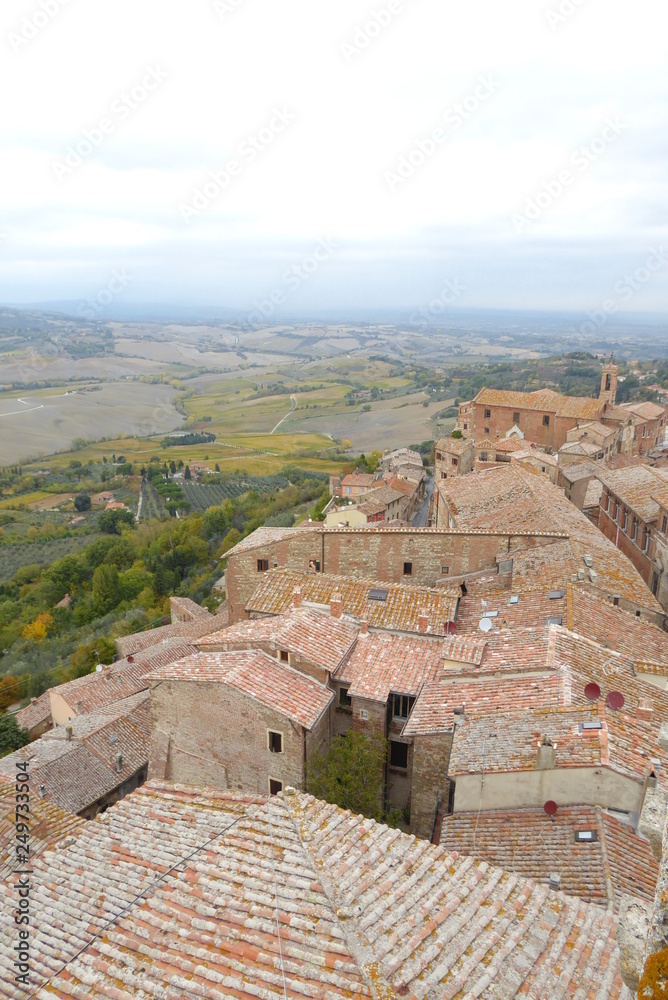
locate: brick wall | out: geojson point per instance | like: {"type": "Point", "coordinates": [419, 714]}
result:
{"type": "Point", "coordinates": [373, 554]}
{"type": "Point", "coordinates": [218, 737]}
{"type": "Point", "coordinates": [531, 423]}
{"type": "Point", "coordinates": [430, 784]}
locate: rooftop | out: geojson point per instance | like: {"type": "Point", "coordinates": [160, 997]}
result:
{"type": "Point", "coordinates": [258, 675]}
{"type": "Point", "coordinates": [397, 607]}
{"type": "Point", "coordinates": [545, 400]}
{"type": "Point", "coordinates": [637, 486]}
{"type": "Point", "coordinates": [454, 446]}
{"type": "Point", "coordinates": [380, 664]}
{"type": "Point", "coordinates": [615, 860]}
{"type": "Point", "coordinates": [78, 772]}
{"type": "Point", "coordinates": [184, 892]}
{"type": "Point", "coordinates": [49, 825]}
{"type": "Point", "coordinates": [312, 635]}
{"type": "Point", "coordinates": [647, 410]}
{"type": "Point", "coordinates": [130, 645]}
{"type": "Point", "coordinates": [515, 499]}
{"type": "Point", "coordinates": [34, 714]}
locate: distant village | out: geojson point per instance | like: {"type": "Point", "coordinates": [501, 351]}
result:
{"type": "Point", "coordinates": [501, 625]}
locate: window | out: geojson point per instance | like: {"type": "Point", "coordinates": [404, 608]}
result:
{"type": "Point", "coordinates": [486, 430]}
{"type": "Point", "coordinates": [488, 414]}
{"type": "Point", "coordinates": [262, 565]}
{"type": "Point", "coordinates": [635, 530]}
{"type": "Point", "coordinates": [655, 583]}
{"type": "Point", "coordinates": [284, 656]}
{"type": "Point", "coordinates": [402, 705]}
{"type": "Point", "coordinates": [445, 570]}
{"type": "Point", "coordinates": [275, 741]}
{"type": "Point", "coordinates": [454, 461]}
{"type": "Point", "coordinates": [314, 564]}
{"type": "Point", "coordinates": [516, 418]}
{"type": "Point", "coordinates": [546, 421]}
{"type": "Point", "coordinates": [664, 525]}
{"type": "Point", "coordinates": [275, 786]}
{"type": "Point", "coordinates": [444, 475]}
{"type": "Point", "coordinates": [348, 489]}
{"type": "Point", "coordinates": [398, 754]}
{"type": "Point", "coordinates": [483, 456]}
{"type": "Point", "coordinates": [466, 427]}
{"type": "Point", "coordinates": [439, 456]}
{"type": "Point", "coordinates": [648, 539]}
{"type": "Point", "coordinates": [408, 569]}
{"type": "Point", "coordinates": [585, 836]}
{"type": "Point", "coordinates": [344, 697]}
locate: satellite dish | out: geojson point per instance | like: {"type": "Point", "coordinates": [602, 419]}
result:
{"type": "Point", "coordinates": [615, 700]}
{"type": "Point", "coordinates": [131, 659]}
{"type": "Point", "coordinates": [592, 692]}
{"type": "Point", "coordinates": [550, 807]}
{"type": "Point", "coordinates": [486, 625]}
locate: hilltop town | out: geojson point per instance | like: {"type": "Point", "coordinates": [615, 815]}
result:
{"type": "Point", "coordinates": [418, 748]}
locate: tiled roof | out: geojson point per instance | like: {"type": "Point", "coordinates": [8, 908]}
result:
{"type": "Point", "coordinates": [532, 608]}
{"type": "Point", "coordinates": [398, 612]}
{"type": "Point", "coordinates": [593, 493]}
{"type": "Point", "coordinates": [185, 893]}
{"type": "Point", "coordinates": [516, 500]}
{"type": "Point", "coordinates": [264, 536]}
{"type": "Point", "coordinates": [34, 714]}
{"type": "Point", "coordinates": [453, 446]}
{"type": "Point", "coordinates": [586, 448]}
{"type": "Point", "coordinates": [615, 628]}
{"type": "Point", "coordinates": [581, 469]}
{"type": "Point", "coordinates": [49, 825]}
{"type": "Point", "coordinates": [130, 645]}
{"type": "Point", "coordinates": [185, 605]}
{"type": "Point", "coordinates": [312, 635]}
{"type": "Point", "coordinates": [384, 495]}
{"type": "Point", "coordinates": [258, 675]}
{"type": "Point", "coordinates": [76, 773]}
{"type": "Point", "coordinates": [359, 479]}
{"type": "Point", "coordinates": [402, 486]}
{"type": "Point", "coordinates": [534, 845]}
{"type": "Point", "coordinates": [120, 680]}
{"type": "Point", "coordinates": [543, 399]}
{"type": "Point", "coordinates": [647, 410]}
{"type": "Point", "coordinates": [380, 664]}
{"type": "Point", "coordinates": [636, 488]}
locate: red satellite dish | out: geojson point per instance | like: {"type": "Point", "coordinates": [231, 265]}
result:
{"type": "Point", "coordinates": [550, 807]}
{"type": "Point", "coordinates": [131, 659]}
{"type": "Point", "coordinates": [615, 700]}
{"type": "Point", "coordinates": [592, 692]}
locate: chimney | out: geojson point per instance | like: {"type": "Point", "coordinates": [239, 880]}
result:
{"type": "Point", "coordinates": [364, 627]}
{"type": "Point", "coordinates": [645, 709]}
{"type": "Point", "coordinates": [545, 757]}
{"type": "Point", "coordinates": [68, 732]}
{"type": "Point", "coordinates": [119, 762]}
{"type": "Point", "coordinates": [296, 597]}
{"type": "Point", "coordinates": [555, 881]}
{"type": "Point", "coordinates": [336, 605]}
{"type": "Point", "coordinates": [423, 621]}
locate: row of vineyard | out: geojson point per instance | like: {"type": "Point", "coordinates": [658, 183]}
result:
{"type": "Point", "coordinates": [201, 496]}
{"type": "Point", "coordinates": [42, 553]}
{"type": "Point", "coordinates": [151, 505]}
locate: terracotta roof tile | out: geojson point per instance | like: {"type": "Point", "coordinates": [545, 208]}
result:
{"type": "Point", "coordinates": [36, 713]}
{"type": "Point", "coordinates": [527, 841]}
{"type": "Point", "coordinates": [49, 825]}
{"type": "Point", "coordinates": [258, 675]}
{"type": "Point", "coordinates": [399, 611]}
{"type": "Point", "coordinates": [542, 399]}
{"type": "Point", "coordinates": [313, 636]}
{"type": "Point", "coordinates": [180, 892]}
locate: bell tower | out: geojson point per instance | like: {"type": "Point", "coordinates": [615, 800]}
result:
{"type": "Point", "coordinates": [609, 375]}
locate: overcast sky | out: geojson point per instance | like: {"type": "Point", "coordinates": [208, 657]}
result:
{"type": "Point", "coordinates": [367, 154]}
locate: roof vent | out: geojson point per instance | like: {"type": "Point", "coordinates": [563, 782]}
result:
{"type": "Point", "coordinates": [645, 709]}
{"type": "Point", "coordinates": [375, 594]}
{"type": "Point", "coordinates": [515, 599]}
{"type": "Point", "coordinates": [555, 620]}
{"type": "Point", "coordinates": [555, 881]}
{"type": "Point", "coordinates": [336, 605]}
{"type": "Point", "coordinates": [581, 574]}
{"type": "Point", "coordinates": [68, 732]}
{"type": "Point", "coordinates": [587, 560]}
{"type": "Point", "coordinates": [119, 762]}
{"type": "Point", "coordinates": [556, 595]}
{"type": "Point", "coordinates": [593, 575]}
{"type": "Point", "coordinates": [42, 789]}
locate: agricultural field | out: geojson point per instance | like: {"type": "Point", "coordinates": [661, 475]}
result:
{"type": "Point", "coordinates": [201, 496]}
{"type": "Point", "coordinates": [42, 553]}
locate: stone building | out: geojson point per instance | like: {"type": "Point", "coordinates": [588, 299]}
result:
{"type": "Point", "coordinates": [453, 457]}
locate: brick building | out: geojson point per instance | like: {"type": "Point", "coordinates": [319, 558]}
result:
{"type": "Point", "coordinates": [453, 457]}
{"type": "Point", "coordinates": [633, 514]}
{"type": "Point", "coordinates": [649, 425]}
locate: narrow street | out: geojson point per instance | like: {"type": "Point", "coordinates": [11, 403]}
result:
{"type": "Point", "coordinates": [422, 514]}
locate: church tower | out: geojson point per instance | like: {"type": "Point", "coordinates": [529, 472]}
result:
{"type": "Point", "coordinates": [608, 391]}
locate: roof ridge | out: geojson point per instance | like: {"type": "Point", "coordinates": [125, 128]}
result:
{"type": "Point", "coordinates": [359, 947]}
{"type": "Point", "coordinates": [609, 885]}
